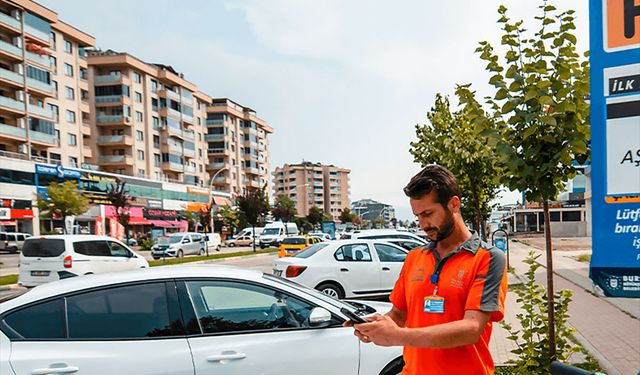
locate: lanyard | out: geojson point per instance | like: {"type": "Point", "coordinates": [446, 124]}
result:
{"type": "Point", "coordinates": [435, 276]}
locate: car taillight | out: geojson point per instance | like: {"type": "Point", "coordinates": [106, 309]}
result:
{"type": "Point", "coordinates": [293, 271]}
{"type": "Point", "coordinates": [67, 262]}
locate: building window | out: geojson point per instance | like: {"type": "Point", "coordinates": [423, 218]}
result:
{"type": "Point", "coordinates": [138, 116]}
{"type": "Point", "coordinates": [73, 140]}
{"type": "Point", "coordinates": [73, 162]}
{"type": "Point", "coordinates": [137, 78]}
{"type": "Point", "coordinates": [55, 88]}
{"type": "Point", "coordinates": [70, 93]}
{"type": "Point", "coordinates": [156, 141]}
{"type": "Point", "coordinates": [199, 152]}
{"type": "Point", "coordinates": [138, 97]}
{"type": "Point", "coordinates": [54, 64]}
{"type": "Point", "coordinates": [139, 135]}
{"type": "Point", "coordinates": [68, 70]}
{"type": "Point", "coordinates": [156, 123]}
{"type": "Point", "coordinates": [53, 40]}
{"type": "Point", "coordinates": [156, 160]}
{"type": "Point", "coordinates": [154, 85]}
{"type": "Point", "coordinates": [71, 117]}
{"type": "Point", "coordinates": [141, 173]}
{"type": "Point", "coordinates": [140, 155]}
{"type": "Point", "coordinates": [68, 46]}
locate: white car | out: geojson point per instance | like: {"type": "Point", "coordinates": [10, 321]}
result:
{"type": "Point", "coordinates": [345, 268]}
{"type": "Point", "coordinates": [49, 258]}
{"type": "Point", "coordinates": [384, 234]}
{"type": "Point", "coordinates": [321, 235]}
{"type": "Point", "coordinates": [178, 245]}
{"type": "Point", "coordinates": [185, 320]}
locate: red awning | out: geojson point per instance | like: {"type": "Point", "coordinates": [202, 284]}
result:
{"type": "Point", "coordinates": [139, 221]}
{"type": "Point", "coordinates": [166, 224]}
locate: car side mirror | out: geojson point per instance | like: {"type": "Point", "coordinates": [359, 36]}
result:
{"type": "Point", "coordinates": [186, 240]}
{"type": "Point", "coordinates": [319, 317]}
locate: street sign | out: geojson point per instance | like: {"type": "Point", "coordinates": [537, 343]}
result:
{"type": "Point", "coordinates": [615, 146]}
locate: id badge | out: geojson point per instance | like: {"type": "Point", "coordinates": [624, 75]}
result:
{"type": "Point", "coordinates": [434, 305]}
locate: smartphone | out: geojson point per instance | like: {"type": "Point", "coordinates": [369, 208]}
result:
{"type": "Point", "coordinates": [352, 316]}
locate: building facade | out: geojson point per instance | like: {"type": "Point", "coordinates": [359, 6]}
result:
{"type": "Point", "coordinates": [43, 85]}
{"type": "Point", "coordinates": [314, 184]}
{"type": "Point", "coordinates": [370, 210]}
{"type": "Point", "coordinates": [237, 146]}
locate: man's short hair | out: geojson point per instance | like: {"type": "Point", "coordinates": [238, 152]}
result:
{"type": "Point", "coordinates": [433, 178]}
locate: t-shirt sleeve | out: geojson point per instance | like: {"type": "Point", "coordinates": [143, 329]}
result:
{"type": "Point", "coordinates": [398, 296]}
{"type": "Point", "coordinates": [489, 287]}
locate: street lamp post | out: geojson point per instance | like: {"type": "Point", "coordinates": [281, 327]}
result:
{"type": "Point", "coordinates": [210, 223]}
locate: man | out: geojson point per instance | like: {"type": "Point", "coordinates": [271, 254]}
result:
{"type": "Point", "coordinates": [448, 292]}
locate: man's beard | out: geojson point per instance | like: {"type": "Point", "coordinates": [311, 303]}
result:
{"type": "Point", "coordinates": [445, 229]}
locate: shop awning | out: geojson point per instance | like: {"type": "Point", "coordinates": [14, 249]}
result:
{"type": "Point", "coordinates": [9, 223]}
{"type": "Point", "coordinates": [166, 224]}
{"type": "Point", "coordinates": [222, 201]}
{"type": "Point", "coordinates": [139, 221]}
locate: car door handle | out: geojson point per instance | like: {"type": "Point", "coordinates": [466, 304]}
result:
{"type": "Point", "coordinates": [55, 370]}
{"type": "Point", "coordinates": [344, 270]}
{"type": "Point", "coordinates": [225, 357]}
{"type": "Point", "coordinates": [385, 268]}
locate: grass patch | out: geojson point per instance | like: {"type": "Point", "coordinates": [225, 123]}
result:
{"type": "Point", "coordinates": [170, 261]}
{"type": "Point", "coordinates": [584, 258]}
{"type": "Point", "coordinates": [8, 279]}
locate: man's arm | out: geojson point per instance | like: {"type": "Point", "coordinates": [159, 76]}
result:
{"type": "Point", "coordinates": [385, 332]}
{"type": "Point", "coordinates": [398, 316]}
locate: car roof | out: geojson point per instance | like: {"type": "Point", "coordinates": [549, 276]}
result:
{"type": "Point", "coordinates": [72, 237]}
{"type": "Point", "coordinates": [74, 284]}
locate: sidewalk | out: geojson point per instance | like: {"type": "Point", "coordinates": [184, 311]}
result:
{"type": "Point", "coordinates": [609, 328]}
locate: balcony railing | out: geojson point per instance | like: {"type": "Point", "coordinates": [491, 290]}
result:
{"type": "Point", "coordinates": [107, 119]}
{"type": "Point", "coordinates": [170, 94]}
{"type": "Point", "coordinates": [215, 165]}
{"type": "Point", "coordinates": [39, 85]}
{"type": "Point", "coordinates": [173, 112]}
{"type": "Point", "coordinates": [209, 137]}
{"type": "Point", "coordinates": [43, 137]}
{"type": "Point", "coordinates": [8, 20]}
{"type": "Point", "coordinates": [108, 78]}
{"type": "Point", "coordinates": [114, 139]}
{"type": "Point", "coordinates": [11, 75]}
{"type": "Point", "coordinates": [44, 61]}
{"type": "Point", "coordinates": [8, 47]}
{"type": "Point", "coordinates": [41, 111]}
{"type": "Point", "coordinates": [11, 103]}
{"type": "Point", "coordinates": [115, 159]}
{"type": "Point", "coordinates": [190, 168]}
{"type": "Point", "coordinates": [36, 33]}
{"type": "Point", "coordinates": [173, 166]}
{"type": "Point", "coordinates": [189, 152]}
{"type": "Point", "coordinates": [13, 131]}
{"type": "Point", "coordinates": [186, 117]}
{"type": "Point", "coordinates": [108, 98]}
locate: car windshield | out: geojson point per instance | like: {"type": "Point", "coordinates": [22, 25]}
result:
{"type": "Point", "coordinates": [294, 241]}
{"type": "Point", "coordinates": [175, 239]}
{"type": "Point", "coordinates": [163, 240]}
{"type": "Point", "coordinates": [271, 231]}
{"type": "Point", "coordinates": [309, 251]}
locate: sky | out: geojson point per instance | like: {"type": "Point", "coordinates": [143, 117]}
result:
{"type": "Point", "coordinates": [342, 82]}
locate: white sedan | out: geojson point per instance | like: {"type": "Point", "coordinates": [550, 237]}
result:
{"type": "Point", "coordinates": [345, 268]}
{"type": "Point", "coordinates": [185, 320]}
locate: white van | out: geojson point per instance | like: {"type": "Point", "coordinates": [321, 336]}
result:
{"type": "Point", "coordinates": [50, 258]}
{"type": "Point", "coordinates": [213, 241]}
{"type": "Point", "coordinates": [275, 232]}
{"type": "Point", "coordinates": [249, 232]}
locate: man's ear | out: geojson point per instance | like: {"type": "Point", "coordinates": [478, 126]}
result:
{"type": "Point", "coordinates": [454, 204]}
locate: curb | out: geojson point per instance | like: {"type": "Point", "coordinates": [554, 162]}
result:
{"type": "Point", "coordinates": [9, 287]}
{"type": "Point", "coordinates": [607, 367]}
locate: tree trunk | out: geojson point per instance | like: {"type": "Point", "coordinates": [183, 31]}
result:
{"type": "Point", "coordinates": [550, 293]}
{"type": "Point", "coordinates": [478, 215]}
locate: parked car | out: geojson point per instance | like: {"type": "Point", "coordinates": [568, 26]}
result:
{"type": "Point", "coordinates": [384, 234]}
{"type": "Point", "coordinates": [12, 241]}
{"type": "Point", "coordinates": [323, 236]}
{"type": "Point", "coordinates": [345, 268]}
{"type": "Point", "coordinates": [213, 241]}
{"type": "Point", "coordinates": [179, 245]}
{"type": "Point", "coordinates": [404, 243]}
{"type": "Point", "coordinates": [49, 258]}
{"type": "Point", "coordinates": [186, 320]}
{"type": "Point", "coordinates": [244, 240]}
{"type": "Point", "coordinates": [290, 246]}
{"type": "Point", "coordinates": [275, 232]}
{"type": "Point", "coordinates": [131, 242]}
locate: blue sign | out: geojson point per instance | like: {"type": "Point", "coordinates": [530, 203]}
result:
{"type": "Point", "coordinates": [57, 171]}
{"type": "Point", "coordinates": [500, 243]}
{"type": "Point", "coordinates": [329, 227]}
{"type": "Point", "coordinates": [615, 146]}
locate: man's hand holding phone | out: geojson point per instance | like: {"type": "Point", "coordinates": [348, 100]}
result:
{"type": "Point", "coordinates": [355, 320]}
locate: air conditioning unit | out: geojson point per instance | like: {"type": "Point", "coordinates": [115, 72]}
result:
{"type": "Point", "coordinates": [127, 119]}
{"type": "Point", "coordinates": [23, 148]}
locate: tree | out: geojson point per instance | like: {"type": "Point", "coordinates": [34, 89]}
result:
{"type": "Point", "coordinates": [449, 140]}
{"type": "Point", "coordinates": [541, 114]}
{"type": "Point", "coordinates": [62, 200]}
{"type": "Point", "coordinates": [284, 209]}
{"type": "Point", "coordinates": [120, 199]}
{"type": "Point", "coordinates": [357, 221]}
{"type": "Point", "coordinates": [315, 216]}
{"type": "Point", "coordinates": [346, 216]}
{"type": "Point", "coordinates": [253, 205]}
{"type": "Point", "coordinates": [191, 218]}
{"type": "Point", "coordinates": [230, 216]}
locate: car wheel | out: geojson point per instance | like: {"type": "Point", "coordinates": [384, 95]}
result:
{"type": "Point", "coordinates": [232, 244]}
{"type": "Point", "coordinates": [331, 289]}
{"type": "Point", "coordinates": [394, 367]}
{"type": "Point", "coordinates": [201, 252]}
{"type": "Point", "coordinates": [180, 254]}
{"type": "Point", "coordinates": [13, 250]}
{"type": "Point", "coordinates": [218, 248]}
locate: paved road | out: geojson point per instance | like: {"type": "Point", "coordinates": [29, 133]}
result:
{"type": "Point", "coordinates": [9, 264]}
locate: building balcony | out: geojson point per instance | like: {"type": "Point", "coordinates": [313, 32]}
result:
{"type": "Point", "coordinates": [109, 100]}
{"type": "Point", "coordinates": [218, 151]}
{"type": "Point", "coordinates": [19, 134]}
{"type": "Point", "coordinates": [221, 180]}
{"type": "Point", "coordinates": [10, 77]}
{"type": "Point", "coordinates": [115, 160]}
{"type": "Point", "coordinates": [12, 23]}
{"type": "Point", "coordinates": [168, 147]}
{"type": "Point", "coordinates": [43, 112]}
{"type": "Point", "coordinates": [11, 105]}
{"type": "Point", "coordinates": [180, 133]}
{"type": "Point", "coordinates": [254, 184]}
{"type": "Point", "coordinates": [174, 167]}
{"type": "Point", "coordinates": [111, 79]}
{"type": "Point", "coordinates": [114, 140]}
{"type": "Point", "coordinates": [190, 153]}
{"type": "Point", "coordinates": [9, 50]}
{"type": "Point", "coordinates": [41, 138]}
{"type": "Point", "coordinates": [86, 129]}
{"type": "Point", "coordinates": [169, 94]}
{"type": "Point", "coordinates": [187, 118]}
{"type": "Point", "coordinates": [111, 120]}
{"type": "Point", "coordinates": [190, 168]}
{"type": "Point", "coordinates": [41, 87]}
{"type": "Point", "coordinates": [216, 165]}
{"type": "Point", "coordinates": [39, 59]}
{"type": "Point", "coordinates": [252, 170]}
{"type": "Point", "coordinates": [216, 137]}
{"type": "Point", "coordinates": [87, 152]}
{"type": "Point", "coordinates": [187, 99]}
{"type": "Point", "coordinates": [37, 35]}
{"type": "Point", "coordinates": [13, 132]}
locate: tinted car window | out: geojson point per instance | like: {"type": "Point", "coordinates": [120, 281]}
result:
{"type": "Point", "coordinates": [41, 321]}
{"type": "Point", "coordinates": [309, 251]}
{"type": "Point", "coordinates": [43, 248]}
{"type": "Point", "coordinates": [21, 237]}
{"type": "Point", "coordinates": [117, 250]}
{"type": "Point", "coordinates": [132, 312]}
{"type": "Point", "coordinates": [388, 253]}
{"type": "Point", "coordinates": [293, 241]}
{"type": "Point", "coordinates": [11, 237]}
{"type": "Point", "coordinates": [353, 253]}
{"type": "Point", "coordinates": [223, 306]}
{"type": "Point", "coordinates": [3, 236]}
{"type": "Point", "coordinates": [92, 248]}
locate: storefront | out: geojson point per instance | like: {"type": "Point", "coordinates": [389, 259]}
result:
{"type": "Point", "coordinates": [16, 215]}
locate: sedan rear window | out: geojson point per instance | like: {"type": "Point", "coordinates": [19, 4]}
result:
{"type": "Point", "coordinates": [294, 241]}
{"type": "Point", "coordinates": [309, 251]}
{"type": "Point", "coordinates": [45, 248]}
{"type": "Point", "coordinates": [41, 321]}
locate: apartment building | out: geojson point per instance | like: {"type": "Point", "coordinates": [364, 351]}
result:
{"type": "Point", "coordinates": [43, 85]}
{"type": "Point", "coordinates": [238, 147]}
{"type": "Point", "coordinates": [147, 120]}
{"type": "Point", "coordinates": [370, 210]}
{"type": "Point", "coordinates": [314, 184]}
